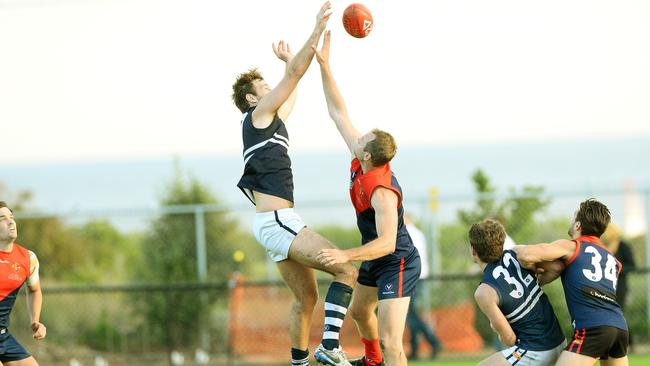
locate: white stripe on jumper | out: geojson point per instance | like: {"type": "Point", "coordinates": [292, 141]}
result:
{"type": "Point", "coordinates": [529, 308]}
{"type": "Point", "coordinates": [260, 144]}
{"type": "Point", "coordinates": [523, 305]}
{"type": "Point", "coordinates": [281, 137]}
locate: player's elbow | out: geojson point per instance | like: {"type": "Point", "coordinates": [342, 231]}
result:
{"type": "Point", "coordinates": [390, 247]}
{"type": "Point", "coordinates": [508, 339]}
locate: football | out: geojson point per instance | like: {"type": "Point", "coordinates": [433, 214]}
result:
{"type": "Point", "coordinates": [357, 20]}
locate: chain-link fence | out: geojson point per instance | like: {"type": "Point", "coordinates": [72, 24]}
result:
{"type": "Point", "coordinates": [178, 302]}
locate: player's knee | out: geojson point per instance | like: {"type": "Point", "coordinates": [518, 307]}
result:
{"type": "Point", "coordinates": [391, 346]}
{"type": "Point", "coordinates": [347, 273]}
{"type": "Point", "coordinates": [360, 314]}
{"type": "Point", "coordinates": [307, 302]}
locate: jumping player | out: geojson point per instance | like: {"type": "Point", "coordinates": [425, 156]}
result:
{"type": "Point", "coordinates": [17, 266]}
{"type": "Point", "coordinates": [512, 299]}
{"type": "Point", "coordinates": [268, 183]}
{"type": "Point", "coordinates": [589, 279]}
{"type": "Point", "coordinates": [391, 264]}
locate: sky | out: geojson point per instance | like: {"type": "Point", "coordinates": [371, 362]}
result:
{"type": "Point", "coordinates": [128, 79]}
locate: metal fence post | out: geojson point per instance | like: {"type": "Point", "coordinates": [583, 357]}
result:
{"type": "Point", "coordinates": [202, 269]}
{"type": "Point", "coordinates": [201, 257]}
{"type": "Point", "coordinates": [647, 253]}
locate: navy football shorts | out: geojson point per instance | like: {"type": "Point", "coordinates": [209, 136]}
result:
{"type": "Point", "coordinates": [393, 277]}
{"type": "Point", "coordinates": [10, 349]}
{"type": "Point", "coordinates": [600, 342]}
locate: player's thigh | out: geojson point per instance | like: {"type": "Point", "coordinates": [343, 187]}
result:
{"type": "Point", "coordinates": [300, 279]}
{"type": "Point", "coordinates": [622, 361]}
{"type": "Point", "coordinates": [496, 359]}
{"type": "Point", "coordinates": [307, 245]}
{"type": "Point", "coordinates": [573, 359]}
{"type": "Point", "coordinates": [29, 361]}
{"type": "Point", "coordinates": [391, 318]}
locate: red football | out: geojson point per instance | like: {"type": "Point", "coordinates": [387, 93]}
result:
{"type": "Point", "coordinates": [357, 20]}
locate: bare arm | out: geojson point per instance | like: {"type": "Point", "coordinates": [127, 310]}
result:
{"type": "Point", "coordinates": [384, 201]}
{"type": "Point", "coordinates": [547, 272]}
{"type": "Point", "coordinates": [271, 103]}
{"type": "Point", "coordinates": [488, 301]}
{"type": "Point", "coordinates": [560, 249]}
{"type": "Point", "coordinates": [34, 304]}
{"type": "Point", "coordinates": [283, 52]}
{"type": "Point", "coordinates": [335, 103]}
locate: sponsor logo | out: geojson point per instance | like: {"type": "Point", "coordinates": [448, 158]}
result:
{"type": "Point", "coordinates": [389, 286]}
{"type": "Point", "coordinates": [601, 296]}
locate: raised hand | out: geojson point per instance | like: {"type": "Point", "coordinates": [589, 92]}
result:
{"type": "Point", "coordinates": [323, 56]}
{"type": "Point", "coordinates": [323, 16]}
{"type": "Point", "coordinates": [283, 51]}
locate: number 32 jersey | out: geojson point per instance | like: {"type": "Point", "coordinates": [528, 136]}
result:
{"type": "Point", "coordinates": [524, 304]}
{"type": "Point", "coordinates": [589, 281]}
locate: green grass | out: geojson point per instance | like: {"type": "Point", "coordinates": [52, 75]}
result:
{"type": "Point", "coordinates": [635, 360]}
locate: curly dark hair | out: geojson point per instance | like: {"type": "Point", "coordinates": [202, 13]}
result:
{"type": "Point", "coordinates": [487, 238]}
{"type": "Point", "coordinates": [244, 85]}
{"type": "Point", "coordinates": [593, 217]}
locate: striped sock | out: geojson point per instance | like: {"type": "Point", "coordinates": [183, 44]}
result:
{"type": "Point", "coordinates": [299, 357]}
{"type": "Point", "coordinates": [336, 305]}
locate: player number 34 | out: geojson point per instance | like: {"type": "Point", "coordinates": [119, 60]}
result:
{"type": "Point", "coordinates": [595, 274]}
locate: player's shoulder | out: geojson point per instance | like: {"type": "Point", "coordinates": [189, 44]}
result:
{"type": "Point", "coordinates": [485, 294]}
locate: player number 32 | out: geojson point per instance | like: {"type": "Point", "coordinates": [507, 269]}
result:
{"type": "Point", "coordinates": [595, 274]}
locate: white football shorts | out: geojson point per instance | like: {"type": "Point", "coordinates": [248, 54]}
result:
{"type": "Point", "coordinates": [275, 230]}
{"type": "Point", "coordinates": [516, 355]}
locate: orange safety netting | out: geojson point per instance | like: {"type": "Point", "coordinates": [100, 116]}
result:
{"type": "Point", "coordinates": [259, 325]}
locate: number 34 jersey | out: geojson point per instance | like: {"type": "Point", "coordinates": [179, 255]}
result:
{"type": "Point", "coordinates": [589, 281]}
{"type": "Point", "coordinates": [524, 304]}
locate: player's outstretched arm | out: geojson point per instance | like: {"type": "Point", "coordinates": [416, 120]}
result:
{"type": "Point", "coordinates": [335, 103]}
{"type": "Point", "coordinates": [488, 301]}
{"type": "Point", "coordinates": [535, 253]}
{"type": "Point", "coordinates": [283, 52]}
{"type": "Point", "coordinates": [271, 103]}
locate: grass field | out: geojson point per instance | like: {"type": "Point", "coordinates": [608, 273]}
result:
{"type": "Point", "coordinates": [635, 360]}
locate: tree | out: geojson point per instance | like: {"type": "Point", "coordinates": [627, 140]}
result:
{"type": "Point", "coordinates": [516, 211]}
{"type": "Point", "coordinates": [170, 257]}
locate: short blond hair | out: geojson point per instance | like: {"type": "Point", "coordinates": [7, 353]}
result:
{"type": "Point", "coordinates": [382, 149]}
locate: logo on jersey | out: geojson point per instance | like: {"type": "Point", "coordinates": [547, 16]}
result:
{"type": "Point", "coordinates": [14, 276]}
{"type": "Point", "coordinates": [352, 176]}
{"type": "Point", "coordinates": [389, 286]}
